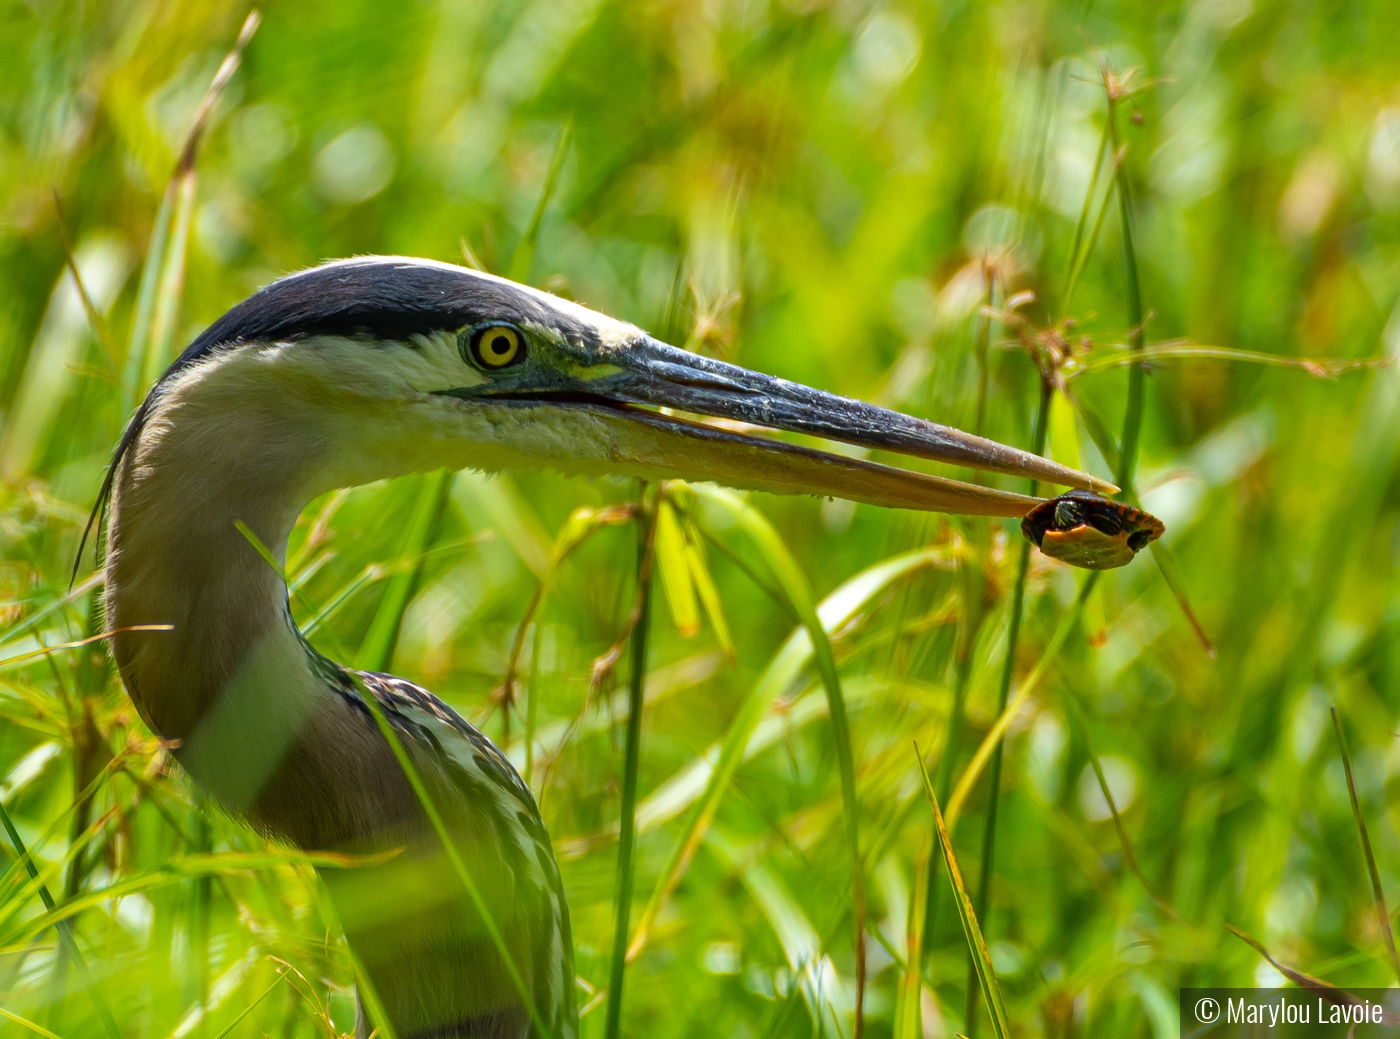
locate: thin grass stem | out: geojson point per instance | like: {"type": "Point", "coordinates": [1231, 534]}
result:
{"type": "Point", "coordinates": [1008, 670]}
{"type": "Point", "coordinates": [377, 650]}
{"type": "Point", "coordinates": [1075, 262]}
{"type": "Point", "coordinates": [145, 302]}
{"type": "Point", "coordinates": [972, 932]}
{"type": "Point", "coordinates": [24, 1022]}
{"type": "Point", "coordinates": [968, 779]}
{"type": "Point", "coordinates": [159, 348]}
{"type": "Point", "coordinates": [969, 620]}
{"type": "Point", "coordinates": [798, 592]}
{"type": "Point", "coordinates": [1318, 368]}
{"type": "Point", "coordinates": [1377, 891]}
{"type": "Point", "coordinates": [199, 918]}
{"type": "Point", "coordinates": [776, 596]}
{"type": "Point", "coordinates": [94, 316]}
{"type": "Point", "coordinates": [532, 702]}
{"type": "Point", "coordinates": [1324, 989]}
{"type": "Point", "coordinates": [39, 616]}
{"type": "Point", "coordinates": [525, 251]}
{"type": "Point", "coordinates": [1129, 856]}
{"type": "Point", "coordinates": [636, 689]}
{"type": "Point", "coordinates": [163, 275]}
{"type": "Point", "coordinates": [908, 1007]}
{"type": "Point", "coordinates": [1132, 415]}
{"type": "Point", "coordinates": [65, 932]}
{"type": "Point", "coordinates": [223, 1032]}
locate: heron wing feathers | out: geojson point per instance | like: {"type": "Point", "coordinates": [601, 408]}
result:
{"type": "Point", "coordinates": [475, 768]}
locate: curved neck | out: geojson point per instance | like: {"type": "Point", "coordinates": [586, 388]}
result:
{"type": "Point", "coordinates": [236, 439]}
{"type": "Point", "coordinates": [230, 685]}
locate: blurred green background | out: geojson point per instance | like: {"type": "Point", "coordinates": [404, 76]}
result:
{"type": "Point", "coordinates": [830, 192]}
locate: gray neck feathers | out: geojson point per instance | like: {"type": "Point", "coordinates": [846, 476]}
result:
{"type": "Point", "coordinates": [253, 433]}
{"type": "Point", "coordinates": [232, 681]}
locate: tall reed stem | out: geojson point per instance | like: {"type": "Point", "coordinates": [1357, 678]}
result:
{"type": "Point", "coordinates": [1008, 670]}
{"type": "Point", "coordinates": [1132, 416]}
{"type": "Point", "coordinates": [636, 689]}
{"type": "Point", "coordinates": [970, 620]}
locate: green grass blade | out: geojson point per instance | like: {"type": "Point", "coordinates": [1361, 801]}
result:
{"type": "Point", "coordinates": [24, 1022]}
{"type": "Point", "coordinates": [636, 695]}
{"type": "Point", "coordinates": [981, 958]}
{"type": "Point", "coordinates": [1166, 563]}
{"type": "Point", "coordinates": [137, 346]}
{"type": "Point", "coordinates": [705, 588]}
{"type": "Point", "coordinates": [1097, 429]}
{"type": "Point", "coordinates": [960, 794]}
{"type": "Point", "coordinates": [582, 524]}
{"type": "Point", "coordinates": [1008, 672]}
{"type": "Point", "coordinates": [49, 609]}
{"type": "Point", "coordinates": [1161, 555]}
{"type": "Point", "coordinates": [980, 352]}
{"type": "Point", "coordinates": [65, 933]}
{"type": "Point", "coordinates": [1317, 367]}
{"type": "Point", "coordinates": [469, 256]}
{"type": "Point", "coordinates": [214, 995]}
{"type": "Point", "coordinates": [673, 564]}
{"type": "Point", "coordinates": [369, 995]}
{"type": "Point", "coordinates": [261, 549]}
{"type": "Point", "coordinates": [377, 650]}
{"type": "Point", "coordinates": [223, 1032]}
{"type": "Point", "coordinates": [908, 1015]}
{"type": "Point", "coordinates": [1088, 249]}
{"type": "Point", "coordinates": [525, 251]}
{"type": "Point", "coordinates": [971, 613]}
{"type": "Point", "coordinates": [100, 329]}
{"type": "Point", "coordinates": [163, 277]}
{"type": "Point", "coordinates": [200, 908]}
{"type": "Point", "coordinates": [182, 867]}
{"type": "Point", "coordinates": [1076, 261]}
{"type": "Point", "coordinates": [53, 826]}
{"type": "Point", "coordinates": [802, 945]}
{"type": "Point", "coordinates": [532, 703]}
{"type": "Point", "coordinates": [158, 351]}
{"type": "Point", "coordinates": [510, 515]}
{"type": "Point", "coordinates": [1129, 856]}
{"type": "Point", "coordinates": [371, 574]}
{"type": "Point", "coordinates": [683, 788]}
{"type": "Point", "coordinates": [1132, 415]}
{"type": "Point", "coordinates": [1377, 891]}
{"type": "Point", "coordinates": [799, 594]}
{"type": "Point", "coordinates": [836, 611]}
{"type": "Point", "coordinates": [37, 884]}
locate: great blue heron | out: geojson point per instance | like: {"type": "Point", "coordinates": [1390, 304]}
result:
{"type": "Point", "coordinates": [370, 368]}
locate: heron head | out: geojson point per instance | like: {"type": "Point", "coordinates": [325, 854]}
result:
{"type": "Point", "coordinates": [496, 375]}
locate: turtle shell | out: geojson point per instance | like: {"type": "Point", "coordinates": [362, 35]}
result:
{"type": "Point", "coordinates": [1090, 531]}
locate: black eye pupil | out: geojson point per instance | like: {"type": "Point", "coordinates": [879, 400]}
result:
{"type": "Point", "coordinates": [500, 344]}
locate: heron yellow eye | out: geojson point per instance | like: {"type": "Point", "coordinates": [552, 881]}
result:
{"type": "Point", "coordinates": [497, 346]}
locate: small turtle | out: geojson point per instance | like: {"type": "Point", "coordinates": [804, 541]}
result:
{"type": "Point", "coordinates": [1085, 530]}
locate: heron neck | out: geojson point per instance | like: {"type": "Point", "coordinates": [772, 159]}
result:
{"type": "Point", "coordinates": [231, 683]}
{"type": "Point", "coordinates": [234, 682]}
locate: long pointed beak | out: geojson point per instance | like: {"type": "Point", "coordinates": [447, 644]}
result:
{"type": "Point", "coordinates": [668, 377]}
{"type": "Point", "coordinates": [650, 374]}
